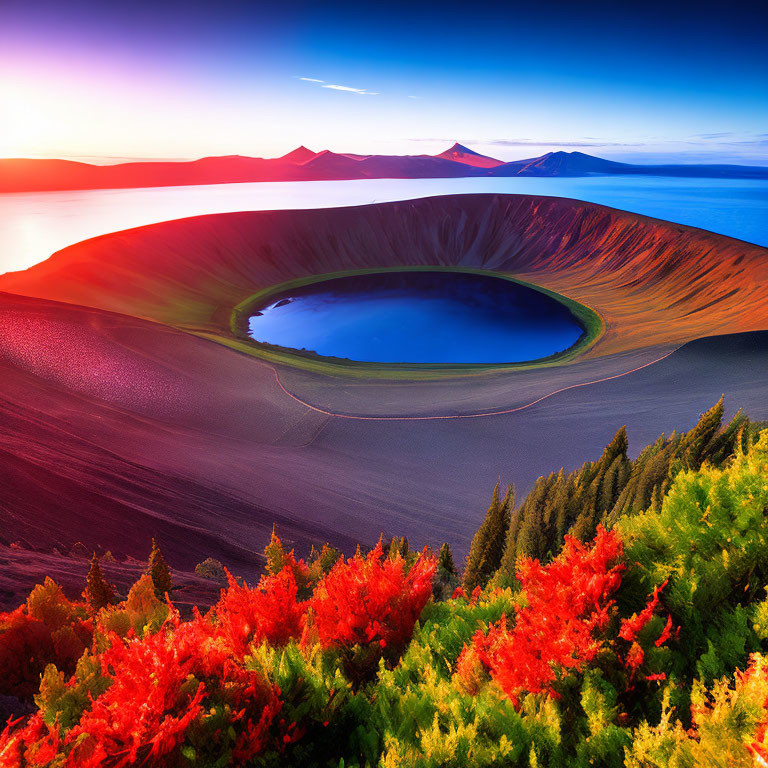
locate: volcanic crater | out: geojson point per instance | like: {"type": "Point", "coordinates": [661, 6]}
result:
{"type": "Point", "coordinates": [130, 381]}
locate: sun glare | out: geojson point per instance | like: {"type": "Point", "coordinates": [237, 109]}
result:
{"type": "Point", "coordinates": [26, 122]}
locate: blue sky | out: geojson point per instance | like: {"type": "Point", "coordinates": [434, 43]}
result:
{"type": "Point", "coordinates": [639, 82]}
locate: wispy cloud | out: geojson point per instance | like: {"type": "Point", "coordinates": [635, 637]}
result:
{"type": "Point", "coordinates": [535, 142]}
{"type": "Point", "coordinates": [730, 139]}
{"type": "Point", "coordinates": [334, 87]}
{"type": "Point", "coordinates": [713, 135]}
{"type": "Point", "coordinates": [360, 91]}
{"type": "Point", "coordinates": [578, 143]}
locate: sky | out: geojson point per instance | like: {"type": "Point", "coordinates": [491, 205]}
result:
{"type": "Point", "coordinates": [640, 82]}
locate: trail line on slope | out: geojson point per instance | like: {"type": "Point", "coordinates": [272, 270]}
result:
{"type": "Point", "coordinates": [469, 415]}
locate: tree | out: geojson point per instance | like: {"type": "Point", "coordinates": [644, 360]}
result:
{"type": "Point", "coordinates": [322, 560]}
{"type": "Point", "coordinates": [275, 554]}
{"type": "Point", "coordinates": [447, 577]}
{"type": "Point", "coordinates": [98, 591]}
{"type": "Point", "coordinates": [487, 546]}
{"type": "Point", "coordinates": [697, 443]}
{"type": "Point", "coordinates": [445, 560]}
{"type": "Point", "coordinates": [159, 571]}
{"type": "Point", "coordinates": [398, 546]}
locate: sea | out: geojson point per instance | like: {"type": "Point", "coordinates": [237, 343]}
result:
{"type": "Point", "coordinates": [36, 224]}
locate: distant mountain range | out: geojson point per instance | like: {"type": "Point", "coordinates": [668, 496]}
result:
{"type": "Point", "coordinates": [302, 164]}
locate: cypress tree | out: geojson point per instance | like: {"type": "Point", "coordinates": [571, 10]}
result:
{"type": "Point", "coordinates": [98, 591]}
{"type": "Point", "coordinates": [585, 524]}
{"type": "Point", "coordinates": [487, 546]}
{"type": "Point", "coordinates": [274, 552]}
{"type": "Point", "coordinates": [609, 483]}
{"type": "Point", "coordinates": [159, 571]}
{"type": "Point", "coordinates": [530, 538]}
{"type": "Point", "coordinates": [445, 564]}
{"type": "Point", "coordinates": [612, 487]}
{"type": "Point", "coordinates": [509, 558]}
{"type": "Point", "coordinates": [696, 444]}
{"type": "Point", "coordinates": [446, 577]}
{"type": "Point", "coordinates": [324, 559]}
{"type": "Point", "coordinates": [730, 440]}
{"type": "Point", "coordinates": [560, 503]}
{"type": "Point", "coordinates": [617, 447]}
{"type": "Point", "coordinates": [397, 546]}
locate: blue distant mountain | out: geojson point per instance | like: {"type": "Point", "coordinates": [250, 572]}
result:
{"type": "Point", "coordinates": [581, 164]}
{"type": "Point", "coordinates": [302, 164]}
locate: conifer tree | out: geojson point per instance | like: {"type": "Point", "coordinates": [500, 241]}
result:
{"type": "Point", "coordinates": [532, 536]}
{"type": "Point", "coordinates": [695, 446]}
{"type": "Point", "coordinates": [447, 577]}
{"type": "Point", "coordinates": [275, 554]}
{"type": "Point", "coordinates": [98, 591]}
{"type": "Point", "coordinates": [561, 505]}
{"type": "Point", "coordinates": [445, 562]}
{"type": "Point", "coordinates": [487, 546]}
{"type": "Point", "coordinates": [509, 558]}
{"type": "Point", "coordinates": [603, 491]}
{"type": "Point", "coordinates": [322, 560]}
{"type": "Point", "coordinates": [397, 546]}
{"type": "Point", "coordinates": [731, 440]}
{"type": "Point", "coordinates": [159, 571]}
{"type": "Point", "coordinates": [617, 447]}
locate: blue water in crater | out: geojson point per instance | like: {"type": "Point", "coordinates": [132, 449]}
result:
{"type": "Point", "coordinates": [418, 317]}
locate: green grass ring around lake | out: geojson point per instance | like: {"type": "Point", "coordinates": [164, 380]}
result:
{"type": "Point", "coordinates": [588, 318]}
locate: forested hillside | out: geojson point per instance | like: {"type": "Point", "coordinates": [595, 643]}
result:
{"type": "Point", "coordinates": [616, 617]}
{"type": "Point", "coordinates": [597, 493]}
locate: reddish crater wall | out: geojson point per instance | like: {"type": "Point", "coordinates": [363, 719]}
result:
{"type": "Point", "coordinates": [653, 282]}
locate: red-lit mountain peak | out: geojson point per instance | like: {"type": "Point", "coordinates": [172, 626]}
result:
{"type": "Point", "coordinates": [461, 154]}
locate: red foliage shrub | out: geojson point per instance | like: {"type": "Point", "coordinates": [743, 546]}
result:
{"type": "Point", "coordinates": [750, 686]}
{"type": "Point", "coordinates": [371, 601]}
{"type": "Point", "coordinates": [568, 602]}
{"type": "Point", "coordinates": [630, 629]}
{"type": "Point", "coordinates": [47, 629]}
{"type": "Point", "coordinates": [178, 687]}
{"type": "Point", "coordinates": [33, 745]}
{"type": "Point", "coordinates": [269, 611]}
{"type": "Point", "coordinates": [562, 624]}
{"type": "Point", "coordinates": [162, 693]}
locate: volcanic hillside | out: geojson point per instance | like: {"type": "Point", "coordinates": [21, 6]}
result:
{"type": "Point", "coordinates": [461, 154]}
{"type": "Point", "coordinates": [129, 410]}
{"type": "Point", "coordinates": [653, 282]}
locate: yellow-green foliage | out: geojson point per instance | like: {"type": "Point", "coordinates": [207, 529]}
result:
{"type": "Point", "coordinates": [726, 718]}
{"type": "Point", "coordinates": [337, 722]}
{"type": "Point", "coordinates": [142, 611]}
{"type": "Point", "coordinates": [64, 703]}
{"type": "Point", "coordinates": [427, 719]}
{"type": "Point", "coordinates": [697, 699]}
{"type": "Point", "coordinates": [663, 745]}
{"type": "Point", "coordinates": [710, 540]}
{"type": "Point", "coordinates": [47, 603]}
{"type": "Point", "coordinates": [603, 742]}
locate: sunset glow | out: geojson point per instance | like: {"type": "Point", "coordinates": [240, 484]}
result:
{"type": "Point", "coordinates": [382, 384]}
{"type": "Point", "coordinates": [115, 81]}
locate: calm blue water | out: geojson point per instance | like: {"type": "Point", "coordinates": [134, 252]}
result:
{"type": "Point", "coordinates": [418, 317]}
{"type": "Point", "coordinates": [34, 225]}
